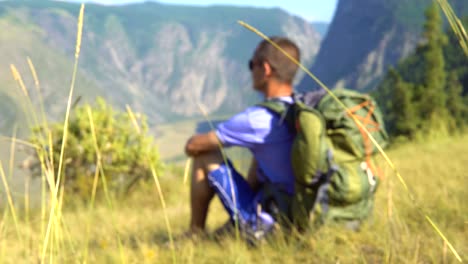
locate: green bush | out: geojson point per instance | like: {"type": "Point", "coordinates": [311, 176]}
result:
{"type": "Point", "coordinates": [126, 153]}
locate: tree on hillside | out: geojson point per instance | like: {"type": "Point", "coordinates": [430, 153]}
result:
{"type": "Point", "coordinates": [405, 115]}
{"type": "Point", "coordinates": [433, 99]}
{"type": "Point", "coordinates": [455, 102]}
{"type": "Point", "coordinates": [399, 105]}
{"type": "Point", "coordinates": [124, 155]}
{"type": "Point", "coordinates": [434, 79]}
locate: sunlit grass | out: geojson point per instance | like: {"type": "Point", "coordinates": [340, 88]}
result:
{"type": "Point", "coordinates": [394, 234]}
{"type": "Point", "coordinates": [158, 186]}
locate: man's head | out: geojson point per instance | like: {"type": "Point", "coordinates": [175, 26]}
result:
{"type": "Point", "coordinates": [268, 63]}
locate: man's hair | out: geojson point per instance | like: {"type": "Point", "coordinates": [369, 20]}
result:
{"type": "Point", "coordinates": [283, 68]}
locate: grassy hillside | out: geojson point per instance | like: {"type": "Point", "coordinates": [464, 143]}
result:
{"type": "Point", "coordinates": [397, 232]}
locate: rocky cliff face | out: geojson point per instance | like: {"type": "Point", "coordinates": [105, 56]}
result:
{"type": "Point", "coordinates": [365, 38]}
{"type": "Point", "coordinates": [160, 59]}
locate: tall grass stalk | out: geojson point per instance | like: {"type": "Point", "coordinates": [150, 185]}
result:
{"type": "Point", "coordinates": [3, 241]}
{"type": "Point", "coordinates": [24, 105]}
{"type": "Point", "coordinates": [416, 252]}
{"type": "Point", "coordinates": [95, 184]}
{"type": "Point", "coordinates": [68, 237]}
{"type": "Point", "coordinates": [455, 24]}
{"type": "Point", "coordinates": [46, 161]}
{"type": "Point", "coordinates": [37, 85]}
{"type": "Point", "coordinates": [50, 164]}
{"type": "Point", "coordinates": [187, 170]}
{"type": "Point", "coordinates": [65, 132]}
{"type": "Point", "coordinates": [91, 203]}
{"type": "Point", "coordinates": [225, 159]}
{"type": "Point", "coordinates": [28, 233]}
{"type": "Point", "coordinates": [58, 221]}
{"type": "Point", "coordinates": [104, 181]}
{"type": "Point", "coordinates": [62, 232]}
{"type": "Point", "coordinates": [22, 142]}
{"type": "Point", "coordinates": [29, 105]}
{"type": "Point", "coordinates": [158, 186]}
{"type": "Point", "coordinates": [43, 196]}
{"type": "Point", "coordinates": [10, 200]}
{"type": "Point", "coordinates": [359, 123]}
{"type": "Point", "coordinates": [12, 153]}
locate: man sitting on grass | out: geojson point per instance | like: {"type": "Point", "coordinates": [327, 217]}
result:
{"type": "Point", "coordinates": [267, 137]}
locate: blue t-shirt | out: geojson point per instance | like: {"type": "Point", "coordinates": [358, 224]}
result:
{"type": "Point", "coordinates": [269, 140]}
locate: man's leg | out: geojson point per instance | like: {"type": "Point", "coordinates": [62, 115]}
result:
{"type": "Point", "coordinates": [201, 192]}
{"type": "Point", "coordinates": [211, 175]}
{"type": "Point", "coordinates": [252, 178]}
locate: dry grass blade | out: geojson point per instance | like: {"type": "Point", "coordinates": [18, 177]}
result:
{"type": "Point", "coordinates": [225, 159]}
{"type": "Point", "coordinates": [34, 73]}
{"type": "Point", "coordinates": [12, 153]}
{"type": "Point", "coordinates": [51, 178]}
{"type": "Point", "coordinates": [26, 209]}
{"type": "Point", "coordinates": [79, 32]}
{"type": "Point", "coordinates": [91, 206]}
{"type": "Point", "coordinates": [158, 186]}
{"type": "Point", "coordinates": [2, 236]}
{"type": "Point", "coordinates": [444, 238]}
{"type": "Point", "coordinates": [455, 24]}
{"type": "Point", "coordinates": [359, 123]}
{"type": "Point", "coordinates": [65, 133]}
{"type": "Point", "coordinates": [38, 90]}
{"type": "Point", "coordinates": [133, 119]}
{"type": "Point", "coordinates": [10, 200]}
{"type": "Point", "coordinates": [30, 106]}
{"type": "Point", "coordinates": [44, 182]}
{"type": "Point", "coordinates": [187, 169]}
{"type": "Point", "coordinates": [17, 77]}
{"type": "Point", "coordinates": [103, 179]}
{"type": "Point", "coordinates": [22, 142]}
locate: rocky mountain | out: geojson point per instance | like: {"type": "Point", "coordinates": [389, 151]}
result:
{"type": "Point", "coordinates": [321, 27]}
{"type": "Point", "coordinates": [160, 59]}
{"type": "Point", "coordinates": [366, 37]}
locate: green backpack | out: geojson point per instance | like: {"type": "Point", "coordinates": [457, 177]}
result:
{"type": "Point", "coordinates": [331, 155]}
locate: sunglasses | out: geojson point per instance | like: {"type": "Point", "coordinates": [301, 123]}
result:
{"type": "Point", "coordinates": [252, 64]}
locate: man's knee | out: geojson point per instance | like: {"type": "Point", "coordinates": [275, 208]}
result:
{"type": "Point", "coordinates": [209, 161]}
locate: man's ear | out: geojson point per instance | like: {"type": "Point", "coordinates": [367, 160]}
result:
{"type": "Point", "coordinates": [268, 71]}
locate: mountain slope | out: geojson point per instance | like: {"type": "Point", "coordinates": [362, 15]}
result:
{"type": "Point", "coordinates": [159, 59]}
{"type": "Point", "coordinates": [363, 42]}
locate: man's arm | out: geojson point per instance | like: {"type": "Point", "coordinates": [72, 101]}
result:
{"type": "Point", "coordinates": [202, 143]}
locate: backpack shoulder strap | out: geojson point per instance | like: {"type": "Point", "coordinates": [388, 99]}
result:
{"type": "Point", "coordinates": [282, 109]}
{"type": "Point", "coordinates": [275, 106]}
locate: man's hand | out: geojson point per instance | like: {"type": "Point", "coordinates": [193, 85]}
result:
{"type": "Point", "coordinates": [201, 143]}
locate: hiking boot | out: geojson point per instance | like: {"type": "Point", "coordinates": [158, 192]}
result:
{"type": "Point", "coordinates": [252, 232]}
{"type": "Point", "coordinates": [257, 232]}
{"type": "Point", "coordinates": [226, 229]}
